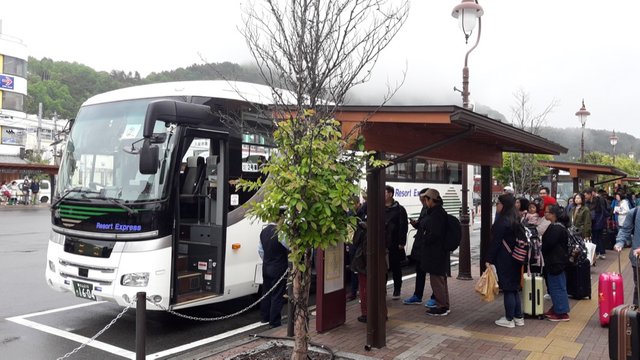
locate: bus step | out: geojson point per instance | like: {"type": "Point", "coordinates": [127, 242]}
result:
{"type": "Point", "coordinates": [189, 281]}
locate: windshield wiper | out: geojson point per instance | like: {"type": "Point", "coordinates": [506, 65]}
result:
{"type": "Point", "coordinates": [80, 190]}
{"type": "Point", "coordinates": [117, 202]}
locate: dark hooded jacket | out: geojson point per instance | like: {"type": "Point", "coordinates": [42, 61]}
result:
{"type": "Point", "coordinates": [435, 259]}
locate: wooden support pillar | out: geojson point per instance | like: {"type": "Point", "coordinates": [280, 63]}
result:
{"type": "Point", "coordinates": [376, 264]}
{"type": "Point", "coordinates": [486, 213]}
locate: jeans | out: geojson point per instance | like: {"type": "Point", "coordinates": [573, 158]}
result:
{"type": "Point", "coordinates": [596, 238]}
{"type": "Point", "coordinates": [512, 305]}
{"type": "Point", "coordinates": [557, 287]}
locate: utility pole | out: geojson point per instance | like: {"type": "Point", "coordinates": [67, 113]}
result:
{"type": "Point", "coordinates": [39, 126]}
{"type": "Point", "coordinates": [55, 137]}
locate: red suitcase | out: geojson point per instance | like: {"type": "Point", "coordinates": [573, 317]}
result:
{"type": "Point", "coordinates": [610, 293]}
{"type": "Point", "coordinates": [624, 331]}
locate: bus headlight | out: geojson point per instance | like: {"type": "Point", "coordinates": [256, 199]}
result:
{"type": "Point", "coordinates": [56, 238]}
{"type": "Point", "coordinates": [135, 279]}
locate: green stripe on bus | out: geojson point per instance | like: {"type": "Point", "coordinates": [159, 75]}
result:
{"type": "Point", "coordinates": [79, 212]}
{"type": "Point", "coordinates": [79, 217]}
{"type": "Point", "coordinates": [92, 208]}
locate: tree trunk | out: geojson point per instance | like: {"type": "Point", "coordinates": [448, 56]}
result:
{"type": "Point", "coordinates": [301, 285]}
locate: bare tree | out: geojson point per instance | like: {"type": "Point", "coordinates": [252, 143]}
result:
{"type": "Point", "coordinates": [316, 51]}
{"type": "Point", "coordinates": [524, 169]}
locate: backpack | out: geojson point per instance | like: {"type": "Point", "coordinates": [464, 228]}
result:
{"type": "Point", "coordinates": [453, 234]}
{"type": "Point", "coordinates": [577, 248]}
{"type": "Point", "coordinates": [521, 251]}
{"type": "Point", "coordinates": [536, 260]}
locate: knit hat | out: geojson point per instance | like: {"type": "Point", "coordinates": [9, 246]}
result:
{"type": "Point", "coordinates": [433, 194]}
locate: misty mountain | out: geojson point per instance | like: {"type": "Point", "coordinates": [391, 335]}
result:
{"type": "Point", "coordinates": [594, 140]}
{"type": "Point", "coordinates": [62, 87]}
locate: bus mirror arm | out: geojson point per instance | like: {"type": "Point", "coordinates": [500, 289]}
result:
{"type": "Point", "coordinates": [174, 112]}
{"type": "Point", "coordinates": [148, 164]}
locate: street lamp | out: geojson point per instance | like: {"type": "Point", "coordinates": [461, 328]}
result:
{"type": "Point", "coordinates": [582, 115]}
{"type": "Point", "coordinates": [613, 140]}
{"type": "Point", "coordinates": [467, 13]}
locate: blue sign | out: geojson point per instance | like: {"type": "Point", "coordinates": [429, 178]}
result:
{"type": "Point", "coordinates": [6, 82]}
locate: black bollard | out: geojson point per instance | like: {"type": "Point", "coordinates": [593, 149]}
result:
{"type": "Point", "coordinates": [141, 325]}
{"type": "Point", "coordinates": [290, 310]}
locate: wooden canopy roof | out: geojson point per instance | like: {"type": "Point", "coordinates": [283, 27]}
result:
{"type": "Point", "coordinates": [583, 171]}
{"type": "Point", "coordinates": [463, 135]}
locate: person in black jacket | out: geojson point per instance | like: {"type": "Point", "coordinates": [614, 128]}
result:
{"type": "Point", "coordinates": [435, 259]}
{"type": "Point", "coordinates": [503, 240]}
{"type": "Point", "coordinates": [274, 254]}
{"type": "Point", "coordinates": [396, 225]}
{"type": "Point", "coordinates": [416, 250]}
{"type": "Point", "coordinates": [555, 252]}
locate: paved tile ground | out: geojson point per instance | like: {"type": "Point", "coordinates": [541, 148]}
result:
{"type": "Point", "coordinates": [468, 332]}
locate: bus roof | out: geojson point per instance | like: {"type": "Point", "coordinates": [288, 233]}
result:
{"type": "Point", "coordinates": [233, 90]}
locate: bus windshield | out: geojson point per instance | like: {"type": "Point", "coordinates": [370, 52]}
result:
{"type": "Point", "coordinates": [101, 156]}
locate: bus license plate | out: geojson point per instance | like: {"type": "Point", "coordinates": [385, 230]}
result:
{"type": "Point", "coordinates": [83, 290]}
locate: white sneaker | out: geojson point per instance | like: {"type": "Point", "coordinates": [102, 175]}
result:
{"type": "Point", "coordinates": [505, 323]}
{"type": "Point", "coordinates": [547, 297]}
{"type": "Point", "coordinates": [518, 321]}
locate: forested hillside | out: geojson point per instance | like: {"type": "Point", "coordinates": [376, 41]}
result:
{"type": "Point", "coordinates": [62, 87]}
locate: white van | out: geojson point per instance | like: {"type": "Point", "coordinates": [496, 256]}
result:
{"type": "Point", "coordinates": [45, 190]}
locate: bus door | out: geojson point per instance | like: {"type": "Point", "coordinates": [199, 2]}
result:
{"type": "Point", "coordinates": [201, 215]}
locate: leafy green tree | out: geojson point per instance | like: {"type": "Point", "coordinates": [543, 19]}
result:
{"type": "Point", "coordinates": [317, 50]}
{"type": "Point", "coordinates": [622, 162]}
{"type": "Point", "coordinates": [523, 171]}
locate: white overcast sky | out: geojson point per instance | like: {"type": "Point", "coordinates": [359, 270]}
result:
{"type": "Point", "coordinates": [552, 49]}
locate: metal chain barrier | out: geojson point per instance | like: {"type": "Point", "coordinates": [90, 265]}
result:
{"type": "Point", "coordinates": [133, 303]}
{"type": "Point", "coordinates": [121, 314]}
{"type": "Point", "coordinates": [284, 275]}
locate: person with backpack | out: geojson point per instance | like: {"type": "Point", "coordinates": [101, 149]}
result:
{"type": "Point", "coordinates": [503, 241]}
{"type": "Point", "coordinates": [625, 233]}
{"type": "Point", "coordinates": [435, 255]}
{"type": "Point", "coordinates": [416, 253]}
{"type": "Point", "coordinates": [555, 250]}
{"type": "Point", "coordinates": [396, 225]}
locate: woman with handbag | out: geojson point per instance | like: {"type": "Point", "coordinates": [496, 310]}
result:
{"type": "Point", "coordinates": [508, 269]}
{"type": "Point", "coordinates": [556, 257]}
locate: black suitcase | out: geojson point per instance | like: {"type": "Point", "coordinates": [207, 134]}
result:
{"type": "Point", "coordinates": [579, 280]}
{"type": "Point", "coordinates": [624, 332]}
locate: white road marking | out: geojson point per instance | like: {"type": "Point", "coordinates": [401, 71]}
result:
{"type": "Point", "coordinates": [203, 341]}
{"type": "Point", "coordinates": [22, 320]}
{"type": "Point", "coordinates": [73, 337]}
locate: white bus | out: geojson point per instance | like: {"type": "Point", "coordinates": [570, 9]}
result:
{"type": "Point", "coordinates": [177, 231]}
{"type": "Point", "coordinates": [146, 202]}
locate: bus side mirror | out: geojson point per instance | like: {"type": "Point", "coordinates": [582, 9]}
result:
{"type": "Point", "coordinates": [148, 158]}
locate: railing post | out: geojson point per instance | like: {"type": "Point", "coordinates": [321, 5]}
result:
{"type": "Point", "coordinates": [141, 325]}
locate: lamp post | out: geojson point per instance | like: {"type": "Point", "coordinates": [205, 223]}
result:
{"type": "Point", "coordinates": [613, 140]}
{"type": "Point", "coordinates": [467, 13]}
{"type": "Point", "coordinates": [582, 115]}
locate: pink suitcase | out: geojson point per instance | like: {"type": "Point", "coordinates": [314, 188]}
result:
{"type": "Point", "coordinates": [610, 294]}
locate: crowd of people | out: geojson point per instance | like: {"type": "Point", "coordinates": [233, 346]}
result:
{"type": "Point", "coordinates": [589, 213]}
{"type": "Point", "coordinates": [25, 192]}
